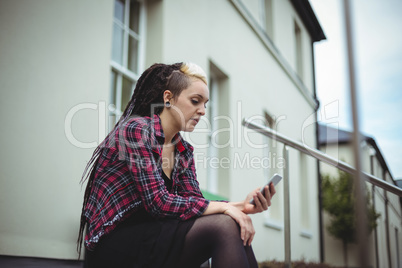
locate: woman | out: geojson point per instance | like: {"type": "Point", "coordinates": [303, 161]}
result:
{"type": "Point", "coordinates": [142, 205]}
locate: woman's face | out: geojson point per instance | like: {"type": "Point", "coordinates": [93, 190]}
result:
{"type": "Point", "coordinates": [190, 105]}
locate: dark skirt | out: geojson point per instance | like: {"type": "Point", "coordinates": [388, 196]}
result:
{"type": "Point", "coordinates": [141, 243]}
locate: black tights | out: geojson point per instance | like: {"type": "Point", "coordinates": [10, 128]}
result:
{"type": "Point", "coordinates": [215, 236]}
{"type": "Point", "coordinates": [218, 237]}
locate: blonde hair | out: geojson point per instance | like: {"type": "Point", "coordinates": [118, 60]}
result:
{"type": "Point", "coordinates": [193, 70]}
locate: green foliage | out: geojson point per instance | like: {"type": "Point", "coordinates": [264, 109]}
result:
{"type": "Point", "coordinates": [338, 200]}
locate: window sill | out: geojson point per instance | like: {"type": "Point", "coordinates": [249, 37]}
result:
{"type": "Point", "coordinates": [273, 224]}
{"type": "Point", "coordinates": [306, 233]}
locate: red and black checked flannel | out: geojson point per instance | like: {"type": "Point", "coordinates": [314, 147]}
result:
{"type": "Point", "coordinates": [129, 177]}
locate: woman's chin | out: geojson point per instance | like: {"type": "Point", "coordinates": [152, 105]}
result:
{"type": "Point", "coordinates": [189, 128]}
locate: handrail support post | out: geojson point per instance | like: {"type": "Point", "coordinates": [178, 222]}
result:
{"type": "Point", "coordinates": [286, 197]}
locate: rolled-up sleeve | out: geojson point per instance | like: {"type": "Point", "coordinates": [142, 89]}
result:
{"type": "Point", "coordinates": [142, 153]}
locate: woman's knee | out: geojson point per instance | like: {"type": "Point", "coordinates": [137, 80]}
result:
{"type": "Point", "coordinates": [223, 225]}
{"type": "Point", "coordinates": [225, 220]}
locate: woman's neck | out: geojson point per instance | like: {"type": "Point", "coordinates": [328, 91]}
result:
{"type": "Point", "coordinates": [168, 128]}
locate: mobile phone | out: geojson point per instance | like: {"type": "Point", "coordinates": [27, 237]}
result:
{"type": "Point", "coordinates": [275, 179]}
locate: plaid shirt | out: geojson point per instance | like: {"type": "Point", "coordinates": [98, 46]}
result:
{"type": "Point", "coordinates": [129, 177]}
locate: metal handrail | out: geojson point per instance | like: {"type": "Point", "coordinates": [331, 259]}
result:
{"type": "Point", "coordinates": [320, 155]}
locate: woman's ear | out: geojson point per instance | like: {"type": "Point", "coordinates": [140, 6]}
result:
{"type": "Point", "coordinates": [167, 95]}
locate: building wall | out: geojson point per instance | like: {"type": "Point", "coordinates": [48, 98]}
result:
{"type": "Point", "coordinates": [255, 83]}
{"type": "Point", "coordinates": [54, 56]}
{"type": "Point", "coordinates": [67, 63]}
{"type": "Point", "coordinates": [387, 254]}
{"type": "Point", "coordinates": [387, 203]}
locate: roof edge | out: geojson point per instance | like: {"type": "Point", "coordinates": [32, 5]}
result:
{"type": "Point", "coordinates": [345, 137]}
{"type": "Point", "coordinates": [309, 19]}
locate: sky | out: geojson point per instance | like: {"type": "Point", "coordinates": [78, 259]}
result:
{"type": "Point", "coordinates": [377, 27]}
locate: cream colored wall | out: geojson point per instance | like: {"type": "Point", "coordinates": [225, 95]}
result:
{"type": "Point", "coordinates": [341, 152]}
{"type": "Point", "coordinates": [285, 16]}
{"type": "Point", "coordinates": [154, 32]}
{"type": "Point", "coordinates": [54, 73]}
{"type": "Point", "coordinates": [333, 248]}
{"type": "Point", "coordinates": [54, 56]}
{"type": "Point", "coordinates": [395, 221]}
{"type": "Point", "coordinates": [217, 33]}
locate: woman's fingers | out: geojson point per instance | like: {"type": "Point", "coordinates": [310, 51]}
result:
{"type": "Point", "coordinates": [266, 198]}
{"type": "Point", "coordinates": [243, 228]}
{"type": "Point", "coordinates": [251, 232]}
{"type": "Point", "coordinates": [247, 231]}
{"type": "Point", "coordinates": [262, 200]}
{"type": "Point", "coordinates": [257, 202]}
{"type": "Point", "coordinates": [251, 237]}
{"type": "Point", "coordinates": [272, 189]}
{"type": "Point", "coordinates": [268, 195]}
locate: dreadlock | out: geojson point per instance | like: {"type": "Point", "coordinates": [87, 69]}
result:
{"type": "Point", "coordinates": [146, 100]}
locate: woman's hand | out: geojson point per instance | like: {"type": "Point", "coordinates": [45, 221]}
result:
{"type": "Point", "coordinates": [261, 202]}
{"type": "Point", "coordinates": [247, 231]}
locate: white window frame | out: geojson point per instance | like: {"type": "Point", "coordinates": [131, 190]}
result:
{"type": "Point", "coordinates": [264, 18]}
{"type": "Point", "coordinates": [298, 35]}
{"type": "Point", "coordinates": [121, 70]}
{"type": "Point", "coordinates": [212, 173]}
{"type": "Point", "coordinates": [272, 220]}
{"type": "Point", "coordinates": [267, 17]}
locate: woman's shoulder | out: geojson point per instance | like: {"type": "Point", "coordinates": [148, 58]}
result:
{"type": "Point", "coordinates": [138, 121]}
{"type": "Point", "coordinates": [138, 124]}
{"type": "Point", "coordinates": [135, 128]}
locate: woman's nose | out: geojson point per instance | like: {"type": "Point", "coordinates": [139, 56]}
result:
{"type": "Point", "coordinates": [201, 111]}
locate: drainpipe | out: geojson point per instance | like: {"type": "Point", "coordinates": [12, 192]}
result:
{"type": "Point", "coordinates": [372, 153]}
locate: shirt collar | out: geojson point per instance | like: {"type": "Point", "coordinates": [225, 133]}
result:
{"type": "Point", "coordinates": [177, 139]}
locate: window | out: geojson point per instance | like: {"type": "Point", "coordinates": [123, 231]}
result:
{"type": "Point", "coordinates": [219, 138]}
{"type": "Point", "coordinates": [126, 53]}
{"type": "Point", "coordinates": [299, 50]}
{"type": "Point", "coordinates": [268, 18]}
{"type": "Point", "coordinates": [261, 11]}
{"type": "Point", "coordinates": [304, 192]}
{"type": "Point", "coordinates": [212, 175]}
{"type": "Point", "coordinates": [254, 7]}
{"type": "Point", "coordinates": [270, 151]}
{"type": "Point", "coordinates": [274, 216]}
